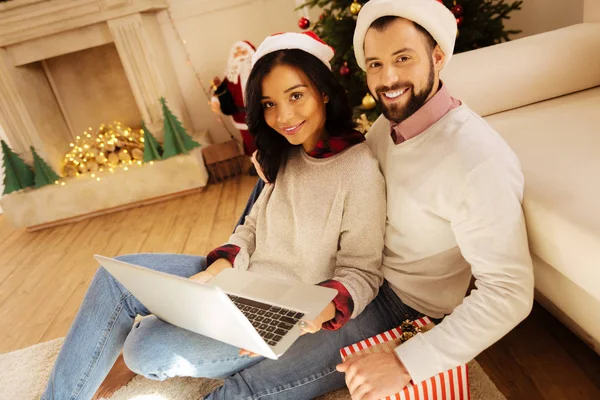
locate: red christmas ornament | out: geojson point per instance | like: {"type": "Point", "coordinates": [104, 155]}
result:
{"type": "Point", "coordinates": [303, 23]}
{"type": "Point", "coordinates": [457, 10]}
{"type": "Point", "coordinates": [345, 70]}
{"type": "Point", "coordinates": [459, 20]}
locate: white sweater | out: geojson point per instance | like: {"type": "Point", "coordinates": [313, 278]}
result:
{"type": "Point", "coordinates": [454, 209]}
{"type": "Point", "coordinates": [322, 219]}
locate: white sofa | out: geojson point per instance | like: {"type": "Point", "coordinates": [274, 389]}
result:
{"type": "Point", "coordinates": [542, 94]}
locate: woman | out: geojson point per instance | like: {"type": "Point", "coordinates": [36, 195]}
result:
{"type": "Point", "coordinates": [321, 221]}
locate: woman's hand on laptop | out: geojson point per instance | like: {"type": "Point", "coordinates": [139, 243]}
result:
{"type": "Point", "coordinates": [214, 269]}
{"type": "Point", "coordinates": [315, 325]}
{"type": "Point", "coordinates": [202, 277]}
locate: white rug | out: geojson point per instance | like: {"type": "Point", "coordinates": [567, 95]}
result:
{"type": "Point", "coordinates": [23, 375]}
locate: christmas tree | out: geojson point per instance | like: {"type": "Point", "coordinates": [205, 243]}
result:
{"type": "Point", "coordinates": [17, 174]}
{"type": "Point", "coordinates": [44, 174]}
{"type": "Point", "coordinates": [177, 141]}
{"type": "Point", "coordinates": [480, 24]}
{"type": "Point", "coordinates": [152, 149]}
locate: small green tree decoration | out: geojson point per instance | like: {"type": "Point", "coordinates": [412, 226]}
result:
{"type": "Point", "coordinates": [44, 174]}
{"type": "Point", "coordinates": [17, 174]}
{"type": "Point", "coordinates": [152, 149]}
{"type": "Point", "coordinates": [177, 141]}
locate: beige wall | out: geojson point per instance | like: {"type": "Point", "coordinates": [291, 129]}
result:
{"type": "Point", "coordinates": [209, 28]}
{"type": "Point", "coordinates": [537, 16]}
{"type": "Point", "coordinates": [591, 11]}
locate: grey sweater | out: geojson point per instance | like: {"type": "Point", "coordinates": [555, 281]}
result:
{"type": "Point", "coordinates": [322, 219]}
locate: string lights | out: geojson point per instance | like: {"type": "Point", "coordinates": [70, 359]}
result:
{"type": "Point", "coordinates": [111, 148]}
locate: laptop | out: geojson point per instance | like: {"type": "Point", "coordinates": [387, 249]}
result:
{"type": "Point", "coordinates": [244, 309]}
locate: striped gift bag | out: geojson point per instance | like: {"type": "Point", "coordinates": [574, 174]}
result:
{"type": "Point", "coordinates": [449, 385]}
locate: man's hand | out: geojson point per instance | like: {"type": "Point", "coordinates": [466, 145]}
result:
{"type": "Point", "coordinates": [374, 376]}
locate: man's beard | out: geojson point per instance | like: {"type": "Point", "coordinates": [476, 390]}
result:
{"type": "Point", "coordinates": [397, 113]}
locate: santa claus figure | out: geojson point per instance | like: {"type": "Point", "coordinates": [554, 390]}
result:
{"type": "Point", "coordinates": [228, 94]}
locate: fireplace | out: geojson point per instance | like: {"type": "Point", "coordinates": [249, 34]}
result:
{"type": "Point", "coordinates": [92, 89]}
{"type": "Point", "coordinates": [70, 65]}
{"type": "Point", "coordinates": [66, 65]}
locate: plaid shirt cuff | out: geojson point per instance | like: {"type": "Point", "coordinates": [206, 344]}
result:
{"type": "Point", "coordinates": [344, 306]}
{"type": "Point", "coordinates": [227, 251]}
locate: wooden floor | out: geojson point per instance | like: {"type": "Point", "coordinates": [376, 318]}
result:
{"type": "Point", "coordinates": [44, 275]}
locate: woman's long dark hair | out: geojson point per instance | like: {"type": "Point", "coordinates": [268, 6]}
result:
{"type": "Point", "coordinates": [273, 148]}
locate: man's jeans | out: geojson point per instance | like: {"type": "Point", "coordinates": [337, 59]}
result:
{"type": "Point", "coordinates": [105, 324]}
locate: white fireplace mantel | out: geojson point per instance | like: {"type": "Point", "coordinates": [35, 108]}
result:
{"type": "Point", "coordinates": [64, 63]}
{"type": "Point", "coordinates": [23, 20]}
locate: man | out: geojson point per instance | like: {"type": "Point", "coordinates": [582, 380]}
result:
{"type": "Point", "coordinates": [454, 192]}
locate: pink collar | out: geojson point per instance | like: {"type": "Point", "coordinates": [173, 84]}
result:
{"type": "Point", "coordinates": [431, 112]}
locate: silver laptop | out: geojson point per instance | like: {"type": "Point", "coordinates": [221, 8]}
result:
{"type": "Point", "coordinates": [244, 309]}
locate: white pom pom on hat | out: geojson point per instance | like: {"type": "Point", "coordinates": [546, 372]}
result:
{"type": "Point", "coordinates": [306, 41]}
{"type": "Point", "coordinates": [432, 15]}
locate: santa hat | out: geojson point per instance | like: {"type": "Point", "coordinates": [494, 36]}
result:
{"type": "Point", "coordinates": [432, 15]}
{"type": "Point", "coordinates": [306, 41]}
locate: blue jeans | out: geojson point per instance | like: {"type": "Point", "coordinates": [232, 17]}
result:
{"type": "Point", "coordinates": [157, 350]}
{"type": "Point", "coordinates": [104, 325]}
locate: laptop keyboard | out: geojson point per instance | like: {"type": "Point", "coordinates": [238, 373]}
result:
{"type": "Point", "coordinates": [271, 323]}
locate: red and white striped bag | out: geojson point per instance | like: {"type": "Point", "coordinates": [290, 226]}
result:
{"type": "Point", "coordinates": [449, 385]}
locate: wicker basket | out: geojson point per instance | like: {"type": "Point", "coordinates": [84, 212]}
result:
{"type": "Point", "coordinates": [223, 160]}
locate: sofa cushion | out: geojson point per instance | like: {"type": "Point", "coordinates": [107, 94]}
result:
{"type": "Point", "coordinates": [558, 143]}
{"type": "Point", "coordinates": [532, 69]}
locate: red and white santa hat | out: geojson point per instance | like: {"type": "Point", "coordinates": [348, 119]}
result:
{"type": "Point", "coordinates": [432, 15]}
{"type": "Point", "coordinates": [306, 41]}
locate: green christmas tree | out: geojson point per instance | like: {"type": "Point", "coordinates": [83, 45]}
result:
{"type": "Point", "coordinates": [152, 149]}
{"type": "Point", "coordinates": [480, 24]}
{"type": "Point", "coordinates": [17, 174]}
{"type": "Point", "coordinates": [44, 174]}
{"type": "Point", "coordinates": [177, 141]}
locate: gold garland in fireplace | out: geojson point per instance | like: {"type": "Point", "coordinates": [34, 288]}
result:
{"type": "Point", "coordinates": [110, 147]}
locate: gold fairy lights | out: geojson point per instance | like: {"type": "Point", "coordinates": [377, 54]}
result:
{"type": "Point", "coordinates": [112, 148]}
